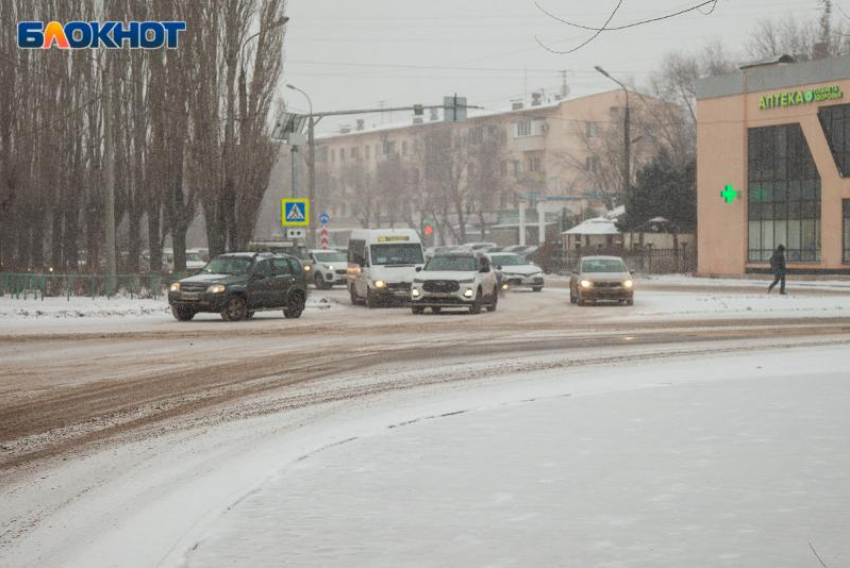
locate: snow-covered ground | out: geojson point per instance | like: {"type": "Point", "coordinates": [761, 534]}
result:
{"type": "Point", "coordinates": [739, 461]}
{"type": "Point", "coordinates": [714, 460]}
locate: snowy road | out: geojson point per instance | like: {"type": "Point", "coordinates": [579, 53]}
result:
{"type": "Point", "coordinates": [133, 440]}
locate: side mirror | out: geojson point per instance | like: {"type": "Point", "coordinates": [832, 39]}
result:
{"type": "Point", "coordinates": [418, 269]}
{"type": "Point", "coordinates": [498, 267]}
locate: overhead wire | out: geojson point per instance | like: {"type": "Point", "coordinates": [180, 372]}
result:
{"type": "Point", "coordinates": [588, 40]}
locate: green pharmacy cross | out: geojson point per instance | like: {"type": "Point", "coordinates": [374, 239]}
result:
{"type": "Point", "coordinates": [729, 194]}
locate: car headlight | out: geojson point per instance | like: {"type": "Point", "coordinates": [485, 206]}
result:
{"type": "Point", "coordinates": [628, 284]}
{"type": "Point", "coordinates": [415, 293]}
{"type": "Point", "coordinates": [505, 286]}
{"type": "Point", "coordinates": [175, 287]}
{"type": "Point", "coordinates": [329, 267]}
{"type": "Point", "coordinates": [586, 284]}
{"type": "Point", "coordinates": [380, 284]}
{"type": "Point", "coordinates": [468, 293]}
{"type": "Point", "coordinates": [307, 268]}
{"type": "Point", "coordinates": [536, 274]}
{"type": "Point", "coordinates": [217, 289]}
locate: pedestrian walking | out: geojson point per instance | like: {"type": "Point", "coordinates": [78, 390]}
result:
{"type": "Point", "coordinates": [777, 266]}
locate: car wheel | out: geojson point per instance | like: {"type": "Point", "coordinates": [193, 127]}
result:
{"type": "Point", "coordinates": [476, 307]}
{"type": "Point", "coordinates": [572, 297]}
{"type": "Point", "coordinates": [353, 294]}
{"type": "Point", "coordinates": [250, 315]}
{"type": "Point", "coordinates": [371, 300]}
{"type": "Point", "coordinates": [182, 314]}
{"type": "Point", "coordinates": [536, 288]}
{"type": "Point", "coordinates": [294, 305]}
{"type": "Point", "coordinates": [495, 303]}
{"type": "Point", "coordinates": [319, 281]}
{"type": "Point", "coordinates": [235, 310]}
{"type": "Point", "coordinates": [417, 310]}
{"type": "Point", "coordinates": [436, 310]}
{"type": "Point", "coordinates": [630, 302]}
{"type": "Point", "coordinates": [580, 301]}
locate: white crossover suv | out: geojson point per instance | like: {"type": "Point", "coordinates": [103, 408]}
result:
{"type": "Point", "coordinates": [459, 279]}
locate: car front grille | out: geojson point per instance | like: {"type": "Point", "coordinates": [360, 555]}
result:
{"type": "Point", "coordinates": [441, 286]}
{"type": "Point", "coordinates": [341, 271]}
{"type": "Point", "coordinates": [399, 286]}
{"type": "Point", "coordinates": [193, 287]}
{"type": "Point", "coordinates": [607, 285]}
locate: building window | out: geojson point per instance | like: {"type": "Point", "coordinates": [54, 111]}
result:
{"type": "Point", "coordinates": [503, 169]}
{"type": "Point", "coordinates": [535, 164]}
{"type": "Point", "coordinates": [523, 128]}
{"type": "Point", "coordinates": [321, 154]}
{"type": "Point", "coordinates": [591, 164]}
{"type": "Point", "coordinates": [835, 121]}
{"type": "Point", "coordinates": [389, 147]}
{"type": "Point", "coordinates": [517, 168]}
{"type": "Point", "coordinates": [845, 203]}
{"type": "Point", "coordinates": [590, 130]}
{"type": "Point", "coordinates": [404, 147]}
{"type": "Point", "coordinates": [783, 202]}
{"type": "Point", "coordinates": [342, 154]}
{"type": "Point", "coordinates": [355, 153]}
{"type": "Point", "coordinates": [367, 148]}
{"type": "Point", "coordinates": [333, 155]}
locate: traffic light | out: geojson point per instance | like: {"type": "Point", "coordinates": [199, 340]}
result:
{"type": "Point", "coordinates": [429, 230]}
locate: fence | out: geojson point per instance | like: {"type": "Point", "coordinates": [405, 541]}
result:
{"type": "Point", "coordinates": [29, 285]}
{"type": "Point", "coordinates": [647, 261]}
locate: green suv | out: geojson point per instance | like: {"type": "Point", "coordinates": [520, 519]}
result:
{"type": "Point", "coordinates": [238, 284]}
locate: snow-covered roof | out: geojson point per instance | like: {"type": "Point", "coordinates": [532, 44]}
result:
{"type": "Point", "coordinates": [616, 212]}
{"type": "Point", "coordinates": [596, 226]}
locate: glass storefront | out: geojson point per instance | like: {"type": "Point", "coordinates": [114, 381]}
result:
{"type": "Point", "coordinates": [784, 195]}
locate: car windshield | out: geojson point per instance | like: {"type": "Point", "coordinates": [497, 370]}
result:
{"type": "Point", "coordinates": [452, 263]}
{"type": "Point", "coordinates": [508, 260]}
{"type": "Point", "coordinates": [194, 257]}
{"type": "Point", "coordinates": [330, 256]}
{"type": "Point", "coordinates": [603, 265]}
{"type": "Point", "coordinates": [396, 254]}
{"type": "Point", "coordinates": [228, 265]}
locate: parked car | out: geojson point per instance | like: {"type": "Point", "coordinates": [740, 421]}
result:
{"type": "Point", "coordinates": [327, 268]}
{"type": "Point", "coordinates": [519, 249]}
{"type": "Point", "coordinates": [459, 279]}
{"type": "Point", "coordinates": [477, 246]}
{"type": "Point", "coordinates": [194, 261]}
{"type": "Point", "coordinates": [236, 285]}
{"type": "Point", "coordinates": [602, 278]}
{"type": "Point", "coordinates": [515, 271]}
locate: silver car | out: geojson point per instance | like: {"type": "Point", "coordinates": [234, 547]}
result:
{"type": "Point", "coordinates": [602, 278]}
{"type": "Point", "coordinates": [327, 268]}
{"type": "Point", "coordinates": [515, 271]}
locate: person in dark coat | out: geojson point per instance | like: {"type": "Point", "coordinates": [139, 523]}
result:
{"type": "Point", "coordinates": [777, 266]}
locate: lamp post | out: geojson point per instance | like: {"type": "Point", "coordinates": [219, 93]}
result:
{"type": "Point", "coordinates": [627, 150]}
{"type": "Point", "coordinates": [311, 167]}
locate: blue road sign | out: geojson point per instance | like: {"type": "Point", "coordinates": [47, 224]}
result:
{"type": "Point", "coordinates": [324, 218]}
{"type": "Point", "coordinates": [295, 212]}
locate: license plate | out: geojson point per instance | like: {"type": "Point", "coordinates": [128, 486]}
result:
{"type": "Point", "coordinates": [190, 296]}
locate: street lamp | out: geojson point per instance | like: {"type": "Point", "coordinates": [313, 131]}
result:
{"type": "Point", "coordinates": [626, 136]}
{"type": "Point", "coordinates": [311, 166]}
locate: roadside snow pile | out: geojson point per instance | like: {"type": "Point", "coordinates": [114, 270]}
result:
{"type": "Point", "coordinates": [686, 305]}
{"type": "Point", "coordinates": [80, 308]}
{"type": "Point", "coordinates": [322, 303]}
{"type": "Point", "coordinates": [762, 282]}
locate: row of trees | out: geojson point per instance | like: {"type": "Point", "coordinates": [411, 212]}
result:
{"type": "Point", "coordinates": [190, 132]}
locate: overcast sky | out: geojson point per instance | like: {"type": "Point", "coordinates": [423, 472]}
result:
{"type": "Point", "coordinates": [357, 53]}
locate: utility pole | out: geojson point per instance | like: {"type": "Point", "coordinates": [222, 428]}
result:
{"type": "Point", "coordinates": [627, 139]}
{"type": "Point", "coordinates": [311, 177]}
{"type": "Point", "coordinates": [109, 183]}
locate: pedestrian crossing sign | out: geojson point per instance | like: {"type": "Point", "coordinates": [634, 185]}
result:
{"type": "Point", "coordinates": [295, 212]}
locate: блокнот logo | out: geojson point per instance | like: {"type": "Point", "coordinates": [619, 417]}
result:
{"type": "Point", "coordinates": [91, 35]}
